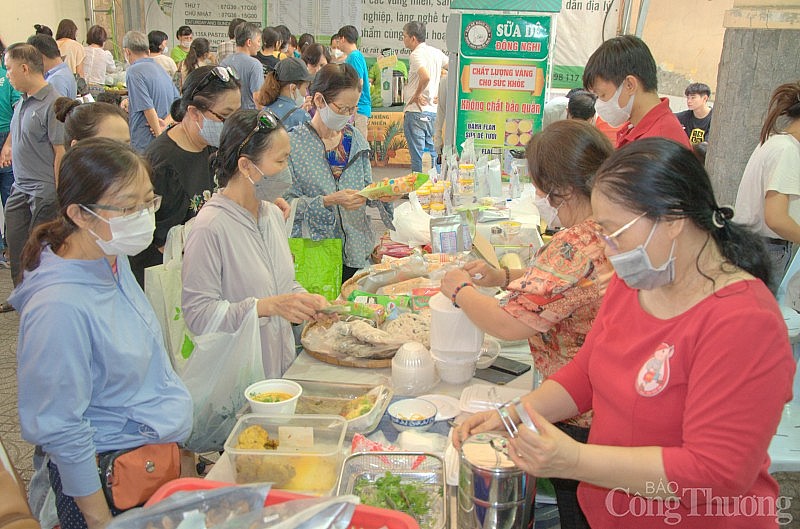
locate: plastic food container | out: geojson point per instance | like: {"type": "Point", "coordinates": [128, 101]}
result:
{"type": "Point", "coordinates": [306, 459]}
{"type": "Point", "coordinates": [422, 469]}
{"type": "Point", "coordinates": [424, 195]}
{"type": "Point", "coordinates": [466, 186]}
{"type": "Point", "coordinates": [364, 517]}
{"type": "Point", "coordinates": [437, 194]}
{"type": "Point", "coordinates": [437, 210]}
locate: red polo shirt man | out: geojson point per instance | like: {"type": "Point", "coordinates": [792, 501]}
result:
{"type": "Point", "coordinates": [622, 72]}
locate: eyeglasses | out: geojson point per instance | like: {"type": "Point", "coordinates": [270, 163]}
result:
{"type": "Point", "coordinates": [223, 73]}
{"type": "Point", "coordinates": [343, 110]}
{"type": "Point", "coordinates": [610, 240]}
{"type": "Point", "coordinates": [152, 206]}
{"type": "Point", "coordinates": [221, 118]}
{"type": "Point", "coordinates": [266, 121]}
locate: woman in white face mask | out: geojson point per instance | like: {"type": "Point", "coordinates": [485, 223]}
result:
{"type": "Point", "coordinates": [94, 376]}
{"type": "Point", "coordinates": [199, 55]}
{"type": "Point", "coordinates": [284, 92]}
{"type": "Point", "coordinates": [181, 173]}
{"type": "Point", "coordinates": [687, 366]}
{"type": "Point", "coordinates": [237, 255]}
{"type": "Point", "coordinates": [553, 302]}
{"type": "Point", "coordinates": [330, 164]}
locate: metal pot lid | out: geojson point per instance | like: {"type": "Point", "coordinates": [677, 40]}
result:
{"type": "Point", "coordinates": [487, 450]}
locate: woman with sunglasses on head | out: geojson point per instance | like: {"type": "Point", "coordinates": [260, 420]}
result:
{"type": "Point", "coordinates": [237, 254]}
{"type": "Point", "coordinates": [687, 366]}
{"type": "Point", "coordinates": [330, 165]}
{"type": "Point", "coordinates": [181, 171]}
{"type": "Point", "coordinates": [554, 301]}
{"type": "Point", "coordinates": [93, 373]}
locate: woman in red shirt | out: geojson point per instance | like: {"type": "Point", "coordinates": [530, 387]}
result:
{"type": "Point", "coordinates": [686, 368]}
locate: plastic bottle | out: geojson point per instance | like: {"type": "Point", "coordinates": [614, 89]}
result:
{"type": "Point", "coordinates": [427, 162]}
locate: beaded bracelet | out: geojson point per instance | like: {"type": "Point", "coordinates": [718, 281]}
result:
{"type": "Point", "coordinates": [508, 277]}
{"type": "Point", "coordinates": [457, 290]}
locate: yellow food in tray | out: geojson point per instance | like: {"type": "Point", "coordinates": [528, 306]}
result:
{"type": "Point", "coordinates": [394, 187]}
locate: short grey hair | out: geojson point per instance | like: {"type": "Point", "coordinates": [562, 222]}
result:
{"type": "Point", "coordinates": [415, 29]}
{"type": "Point", "coordinates": [136, 41]}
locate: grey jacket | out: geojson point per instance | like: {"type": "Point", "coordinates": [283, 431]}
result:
{"type": "Point", "coordinates": [229, 257]}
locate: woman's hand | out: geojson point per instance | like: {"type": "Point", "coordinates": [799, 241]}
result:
{"type": "Point", "coordinates": [484, 274]}
{"type": "Point", "coordinates": [296, 308]}
{"type": "Point", "coordinates": [284, 206]}
{"type": "Point", "coordinates": [347, 198]}
{"type": "Point", "coordinates": [486, 421]}
{"type": "Point", "coordinates": [452, 280]}
{"type": "Point", "coordinates": [548, 453]}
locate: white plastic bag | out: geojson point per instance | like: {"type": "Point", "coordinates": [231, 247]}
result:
{"type": "Point", "coordinates": [411, 224]}
{"type": "Point", "coordinates": [220, 368]}
{"type": "Point", "coordinates": [163, 286]}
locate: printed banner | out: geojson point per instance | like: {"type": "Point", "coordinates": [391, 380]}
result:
{"type": "Point", "coordinates": [503, 70]}
{"type": "Point", "coordinates": [207, 18]}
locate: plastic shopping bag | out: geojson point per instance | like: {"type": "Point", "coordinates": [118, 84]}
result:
{"type": "Point", "coordinates": [317, 264]}
{"type": "Point", "coordinates": [163, 286]}
{"type": "Point", "coordinates": [217, 373]}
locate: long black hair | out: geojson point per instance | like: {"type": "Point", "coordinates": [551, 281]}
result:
{"type": "Point", "coordinates": [663, 179]}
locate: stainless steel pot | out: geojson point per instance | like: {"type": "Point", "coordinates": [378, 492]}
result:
{"type": "Point", "coordinates": [492, 492]}
{"type": "Point", "coordinates": [398, 85]}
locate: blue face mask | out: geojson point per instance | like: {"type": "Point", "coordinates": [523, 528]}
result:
{"type": "Point", "coordinates": [211, 131]}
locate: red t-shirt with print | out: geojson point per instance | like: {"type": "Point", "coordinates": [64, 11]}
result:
{"type": "Point", "coordinates": [707, 385]}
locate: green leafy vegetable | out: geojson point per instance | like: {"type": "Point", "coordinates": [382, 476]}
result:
{"type": "Point", "coordinates": [389, 493]}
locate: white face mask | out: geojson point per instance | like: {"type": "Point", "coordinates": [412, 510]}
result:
{"type": "Point", "coordinates": [211, 131]}
{"type": "Point", "coordinates": [130, 235]}
{"type": "Point", "coordinates": [547, 212]}
{"type": "Point", "coordinates": [611, 112]}
{"type": "Point", "coordinates": [333, 120]}
{"type": "Point", "coordinates": [299, 97]}
{"type": "Point", "coordinates": [165, 50]}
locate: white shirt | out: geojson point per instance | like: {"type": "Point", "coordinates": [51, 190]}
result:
{"type": "Point", "coordinates": [773, 166]}
{"type": "Point", "coordinates": [97, 64]}
{"type": "Point", "coordinates": [433, 60]}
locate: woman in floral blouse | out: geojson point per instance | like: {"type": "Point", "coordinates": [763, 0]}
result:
{"type": "Point", "coordinates": [554, 302]}
{"type": "Point", "coordinates": [330, 164]}
{"type": "Point", "coordinates": [180, 156]}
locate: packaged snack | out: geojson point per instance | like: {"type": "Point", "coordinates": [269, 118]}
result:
{"type": "Point", "coordinates": [420, 297]}
{"type": "Point", "coordinates": [394, 187]}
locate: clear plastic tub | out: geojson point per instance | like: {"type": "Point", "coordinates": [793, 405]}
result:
{"type": "Point", "coordinates": [307, 458]}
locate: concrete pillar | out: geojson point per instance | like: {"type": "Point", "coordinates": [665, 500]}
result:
{"type": "Point", "coordinates": [761, 50]}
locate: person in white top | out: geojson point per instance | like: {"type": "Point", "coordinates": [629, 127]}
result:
{"type": "Point", "coordinates": [98, 61]}
{"type": "Point", "coordinates": [158, 49]}
{"type": "Point", "coordinates": [424, 72]}
{"type": "Point", "coordinates": [769, 194]}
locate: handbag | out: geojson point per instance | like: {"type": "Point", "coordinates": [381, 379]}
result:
{"type": "Point", "coordinates": [317, 264]}
{"type": "Point", "coordinates": [129, 477]}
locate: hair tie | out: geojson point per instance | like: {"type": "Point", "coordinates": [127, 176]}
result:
{"type": "Point", "coordinates": [721, 216]}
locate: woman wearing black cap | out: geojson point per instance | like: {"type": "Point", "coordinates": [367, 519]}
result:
{"type": "Point", "coordinates": [284, 92]}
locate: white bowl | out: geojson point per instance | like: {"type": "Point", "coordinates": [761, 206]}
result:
{"type": "Point", "coordinates": [400, 414]}
{"type": "Point", "coordinates": [489, 352]}
{"type": "Point", "coordinates": [285, 407]}
{"type": "Point", "coordinates": [455, 372]}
